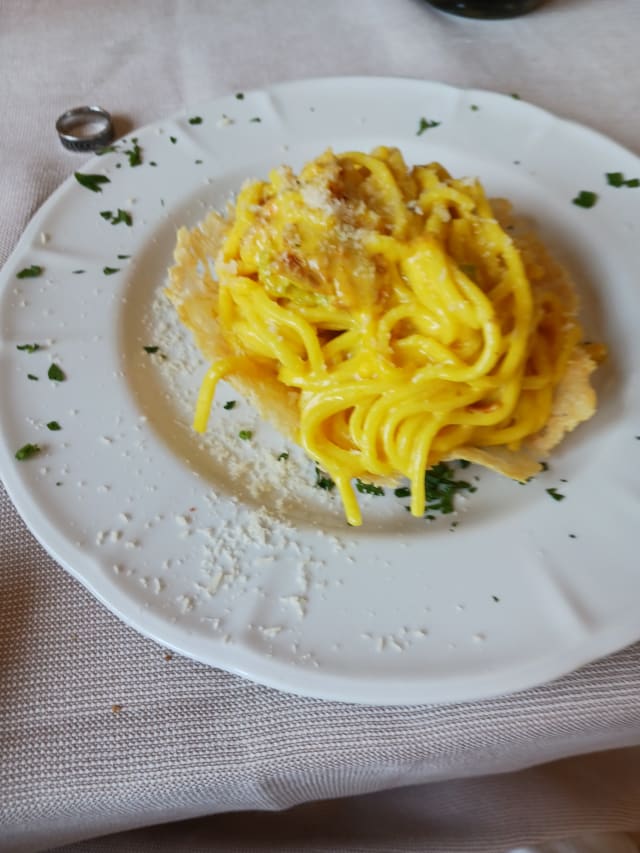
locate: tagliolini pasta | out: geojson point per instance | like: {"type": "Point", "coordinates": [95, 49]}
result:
{"type": "Point", "coordinates": [385, 319]}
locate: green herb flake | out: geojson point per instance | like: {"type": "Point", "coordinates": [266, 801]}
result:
{"type": "Point", "coordinates": [115, 218]}
{"type": "Point", "coordinates": [27, 451]}
{"type": "Point", "coordinates": [615, 179]}
{"type": "Point", "coordinates": [469, 270]}
{"type": "Point", "coordinates": [255, 119]}
{"type": "Point", "coordinates": [32, 377]}
{"type": "Point", "coordinates": [515, 96]}
{"type": "Point", "coordinates": [110, 270]}
{"type": "Point", "coordinates": [54, 426]}
{"type": "Point", "coordinates": [195, 120]}
{"type": "Point", "coordinates": [91, 182]}
{"type": "Point", "coordinates": [474, 108]}
{"type": "Point", "coordinates": [123, 216]}
{"type": "Point", "coordinates": [240, 96]}
{"type": "Point", "coordinates": [134, 154]}
{"type": "Point", "coordinates": [55, 373]}
{"type": "Point", "coordinates": [283, 456]}
{"type": "Point", "coordinates": [463, 463]}
{"type": "Point", "coordinates": [30, 272]}
{"type": "Point", "coordinates": [585, 198]}
{"type": "Point", "coordinates": [245, 434]}
{"type": "Point", "coordinates": [402, 492]}
{"type": "Point", "coordinates": [323, 481]}
{"type": "Point", "coordinates": [78, 272]}
{"type": "Point", "coordinates": [555, 494]}
{"type": "Point", "coordinates": [230, 404]}
{"type": "Point", "coordinates": [198, 162]}
{"type": "Point", "coordinates": [572, 536]}
{"type": "Point", "coordinates": [173, 139]}
{"type": "Point", "coordinates": [544, 466]}
{"type": "Point", "coordinates": [109, 149]}
{"type": "Point", "coordinates": [495, 598]}
{"type": "Point", "coordinates": [28, 347]}
{"type": "Point", "coordinates": [369, 488]}
{"type": "Point", "coordinates": [425, 124]}
{"type": "Point", "coordinates": [152, 163]}
{"type": "Point", "coordinates": [441, 488]}
{"type": "Point", "coordinates": [123, 257]}
{"type": "Point", "coordinates": [151, 350]}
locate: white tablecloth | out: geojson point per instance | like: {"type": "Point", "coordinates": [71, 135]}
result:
{"type": "Point", "coordinates": [194, 741]}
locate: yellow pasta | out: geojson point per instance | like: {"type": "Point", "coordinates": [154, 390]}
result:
{"type": "Point", "coordinates": [396, 318]}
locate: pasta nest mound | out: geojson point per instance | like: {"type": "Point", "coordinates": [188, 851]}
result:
{"type": "Point", "coordinates": [386, 319]}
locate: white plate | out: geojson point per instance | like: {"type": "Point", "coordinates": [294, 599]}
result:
{"type": "Point", "coordinates": [222, 552]}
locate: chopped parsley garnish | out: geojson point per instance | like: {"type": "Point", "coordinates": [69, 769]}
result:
{"type": "Point", "coordinates": [27, 451]}
{"type": "Point", "coordinates": [441, 488]}
{"type": "Point", "coordinates": [123, 257]}
{"type": "Point", "coordinates": [110, 270]}
{"type": "Point", "coordinates": [516, 96]}
{"type": "Point", "coordinates": [230, 404]}
{"type": "Point", "coordinates": [134, 154]}
{"type": "Point", "coordinates": [28, 347]}
{"type": "Point", "coordinates": [195, 120]}
{"type": "Point", "coordinates": [469, 270]}
{"type": "Point", "coordinates": [240, 96]}
{"type": "Point", "coordinates": [369, 488]}
{"type": "Point", "coordinates": [425, 124]}
{"type": "Point", "coordinates": [585, 198]}
{"type": "Point", "coordinates": [544, 466]}
{"type": "Point", "coordinates": [32, 377]}
{"type": "Point", "coordinates": [30, 272]}
{"type": "Point", "coordinates": [55, 373]}
{"type": "Point", "coordinates": [495, 598]}
{"type": "Point", "coordinates": [107, 150]}
{"type": "Point", "coordinates": [255, 119]}
{"type": "Point", "coordinates": [115, 218]}
{"type": "Point", "coordinates": [151, 350]}
{"type": "Point", "coordinates": [173, 139]}
{"type": "Point", "coordinates": [323, 481]}
{"type": "Point", "coordinates": [245, 434]}
{"type": "Point", "coordinates": [555, 494]}
{"type": "Point", "coordinates": [463, 463]}
{"type": "Point", "coordinates": [474, 107]}
{"type": "Point", "coordinates": [152, 163]}
{"type": "Point", "coordinates": [54, 426]}
{"type": "Point", "coordinates": [198, 162]}
{"type": "Point", "coordinates": [572, 536]}
{"type": "Point", "coordinates": [617, 179]}
{"type": "Point", "coordinates": [91, 182]}
{"type": "Point", "coordinates": [78, 272]}
{"type": "Point", "coordinates": [284, 455]}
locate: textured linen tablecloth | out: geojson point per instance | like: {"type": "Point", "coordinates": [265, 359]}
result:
{"type": "Point", "coordinates": [191, 740]}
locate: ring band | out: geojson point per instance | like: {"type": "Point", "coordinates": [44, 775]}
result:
{"type": "Point", "coordinates": [85, 128]}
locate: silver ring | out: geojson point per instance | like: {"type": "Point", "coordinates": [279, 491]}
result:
{"type": "Point", "coordinates": [85, 128]}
